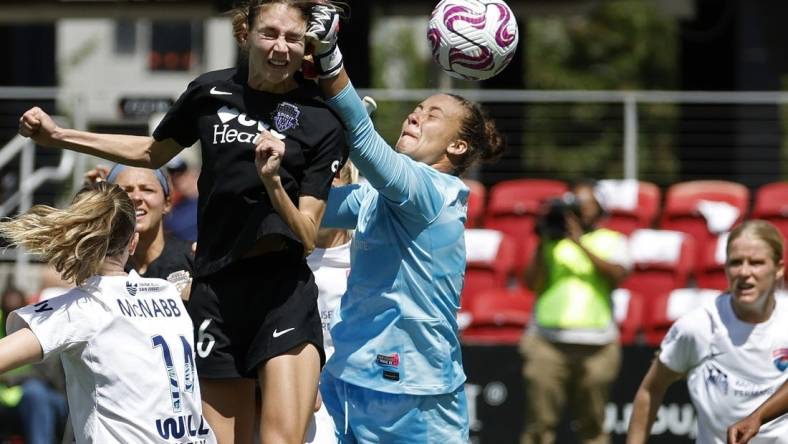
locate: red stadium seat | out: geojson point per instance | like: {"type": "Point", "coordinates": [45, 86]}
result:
{"type": "Point", "coordinates": [499, 316]}
{"type": "Point", "coordinates": [662, 261]}
{"type": "Point", "coordinates": [684, 200]}
{"type": "Point", "coordinates": [490, 262]}
{"type": "Point", "coordinates": [771, 201]}
{"type": "Point", "coordinates": [710, 271]}
{"type": "Point", "coordinates": [771, 204]}
{"type": "Point", "coordinates": [663, 310]}
{"type": "Point", "coordinates": [629, 311]}
{"type": "Point", "coordinates": [515, 205]}
{"type": "Point", "coordinates": [626, 219]}
{"type": "Point", "coordinates": [476, 202]}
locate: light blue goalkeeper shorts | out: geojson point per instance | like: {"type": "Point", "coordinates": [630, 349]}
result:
{"type": "Point", "coordinates": [363, 415]}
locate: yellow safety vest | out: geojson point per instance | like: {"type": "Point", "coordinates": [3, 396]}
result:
{"type": "Point", "coordinates": [576, 295]}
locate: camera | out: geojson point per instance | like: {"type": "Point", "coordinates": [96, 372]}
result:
{"type": "Point", "coordinates": [552, 222]}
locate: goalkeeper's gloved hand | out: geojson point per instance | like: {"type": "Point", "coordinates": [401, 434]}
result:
{"type": "Point", "coordinates": [322, 31]}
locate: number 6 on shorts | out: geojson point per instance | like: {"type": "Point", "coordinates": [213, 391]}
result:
{"type": "Point", "coordinates": [205, 341]}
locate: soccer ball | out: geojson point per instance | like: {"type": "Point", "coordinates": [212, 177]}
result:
{"type": "Point", "coordinates": [472, 39]}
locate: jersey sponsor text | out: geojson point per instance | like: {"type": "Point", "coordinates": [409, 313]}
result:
{"type": "Point", "coordinates": [177, 427]}
{"type": "Point", "coordinates": [224, 134]}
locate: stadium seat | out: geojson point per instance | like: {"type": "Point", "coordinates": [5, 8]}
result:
{"type": "Point", "coordinates": [663, 309]}
{"type": "Point", "coordinates": [476, 202]}
{"type": "Point", "coordinates": [629, 311]}
{"type": "Point", "coordinates": [710, 270]}
{"type": "Point", "coordinates": [704, 209]}
{"type": "Point", "coordinates": [499, 316]}
{"type": "Point", "coordinates": [490, 257]}
{"type": "Point", "coordinates": [629, 204]}
{"type": "Point", "coordinates": [515, 205]}
{"type": "Point", "coordinates": [771, 204]}
{"type": "Point", "coordinates": [663, 260]}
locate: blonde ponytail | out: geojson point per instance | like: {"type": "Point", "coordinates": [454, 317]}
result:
{"type": "Point", "coordinates": [75, 240]}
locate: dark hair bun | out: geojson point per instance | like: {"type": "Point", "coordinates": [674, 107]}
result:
{"type": "Point", "coordinates": [496, 143]}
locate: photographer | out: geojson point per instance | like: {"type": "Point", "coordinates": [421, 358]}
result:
{"type": "Point", "coordinates": [571, 349]}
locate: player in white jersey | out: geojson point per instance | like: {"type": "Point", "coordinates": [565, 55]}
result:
{"type": "Point", "coordinates": [126, 342]}
{"type": "Point", "coordinates": [330, 263]}
{"type": "Point", "coordinates": [733, 350]}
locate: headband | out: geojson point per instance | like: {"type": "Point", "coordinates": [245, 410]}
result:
{"type": "Point", "coordinates": [113, 174]}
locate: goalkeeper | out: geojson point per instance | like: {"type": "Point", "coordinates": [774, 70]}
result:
{"type": "Point", "coordinates": [395, 332]}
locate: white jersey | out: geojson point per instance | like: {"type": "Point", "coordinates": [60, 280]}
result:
{"type": "Point", "coordinates": [732, 366]}
{"type": "Point", "coordinates": [127, 349]}
{"type": "Point", "coordinates": [331, 267]}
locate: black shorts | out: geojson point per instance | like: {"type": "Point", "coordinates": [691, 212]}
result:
{"type": "Point", "coordinates": [252, 311]}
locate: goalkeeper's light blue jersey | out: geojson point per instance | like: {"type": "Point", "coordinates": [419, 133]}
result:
{"type": "Point", "coordinates": [395, 330]}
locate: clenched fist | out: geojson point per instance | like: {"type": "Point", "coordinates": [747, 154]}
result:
{"type": "Point", "coordinates": [268, 155]}
{"type": "Point", "coordinates": [38, 125]}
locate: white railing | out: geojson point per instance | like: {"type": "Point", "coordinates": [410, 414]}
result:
{"type": "Point", "coordinates": [30, 177]}
{"type": "Point", "coordinates": [30, 180]}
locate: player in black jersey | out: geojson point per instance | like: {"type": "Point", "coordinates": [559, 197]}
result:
{"type": "Point", "coordinates": [158, 254]}
{"type": "Point", "coordinates": [270, 148]}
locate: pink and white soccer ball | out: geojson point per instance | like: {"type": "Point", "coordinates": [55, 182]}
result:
{"type": "Point", "coordinates": [472, 39]}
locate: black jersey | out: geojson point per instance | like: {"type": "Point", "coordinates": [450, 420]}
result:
{"type": "Point", "coordinates": [175, 263]}
{"type": "Point", "coordinates": [221, 111]}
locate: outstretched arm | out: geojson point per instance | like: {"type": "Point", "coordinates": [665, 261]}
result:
{"type": "Point", "coordinates": [140, 151]}
{"type": "Point", "coordinates": [390, 173]}
{"type": "Point", "coordinates": [777, 405]}
{"type": "Point", "coordinates": [648, 399]}
{"type": "Point", "coordinates": [19, 348]}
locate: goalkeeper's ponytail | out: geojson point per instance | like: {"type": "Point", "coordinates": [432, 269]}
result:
{"type": "Point", "coordinates": [484, 140]}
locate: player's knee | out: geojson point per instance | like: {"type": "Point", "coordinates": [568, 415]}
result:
{"type": "Point", "coordinates": [285, 430]}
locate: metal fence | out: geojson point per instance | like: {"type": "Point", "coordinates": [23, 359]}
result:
{"type": "Point", "coordinates": [658, 136]}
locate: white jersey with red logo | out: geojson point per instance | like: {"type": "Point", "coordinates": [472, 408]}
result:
{"type": "Point", "coordinates": [331, 267]}
{"type": "Point", "coordinates": [127, 348]}
{"type": "Point", "coordinates": [732, 366]}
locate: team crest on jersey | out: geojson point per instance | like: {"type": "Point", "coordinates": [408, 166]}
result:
{"type": "Point", "coordinates": [181, 279]}
{"type": "Point", "coordinates": [717, 378]}
{"type": "Point", "coordinates": [780, 357]}
{"type": "Point", "coordinates": [286, 116]}
{"type": "Point", "coordinates": [131, 288]}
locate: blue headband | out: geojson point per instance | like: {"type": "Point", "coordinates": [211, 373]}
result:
{"type": "Point", "coordinates": [113, 174]}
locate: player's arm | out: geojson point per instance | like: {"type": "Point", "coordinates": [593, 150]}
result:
{"type": "Point", "coordinates": [19, 348]}
{"type": "Point", "coordinates": [304, 220]}
{"type": "Point", "coordinates": [387, 171]}
{"type": "Point", "coordinates": [776, 405]}
{"type": "Point", "coordinates": [140, 151]}
{"type": "Point", "coordinates": [648, 399]}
